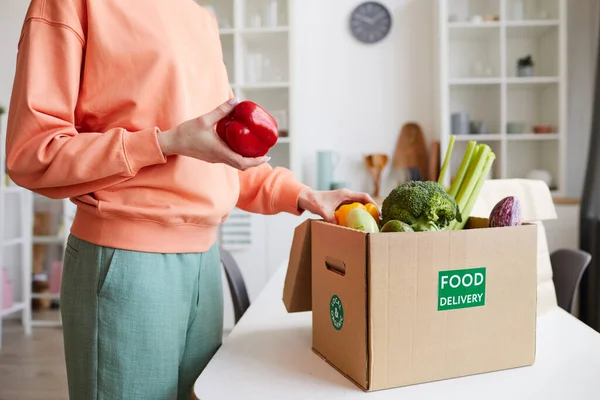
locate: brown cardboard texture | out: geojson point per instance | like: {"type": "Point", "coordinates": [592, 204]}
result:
{"type": "Point", "coordinates": [396, 309]}
{"type": "Point", "coordinates": [297, 290]}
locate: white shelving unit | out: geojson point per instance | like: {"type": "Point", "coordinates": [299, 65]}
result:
{"type": "Point", "coordinates": [50, 248]}
{"type": "Point", "coordinates": [255, 41]}
{"type": "Point", "coordinates": [479, 45]}
{"type": "Point", "coordinates": [15, 246]}
{"type": "Point", "coordinates": [255, 37]}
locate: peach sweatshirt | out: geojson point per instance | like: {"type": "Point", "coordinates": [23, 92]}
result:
{"type": "Point", "coordinates": [96, 82]}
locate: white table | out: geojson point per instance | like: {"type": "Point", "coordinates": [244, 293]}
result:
{"type": "Point", "coordinates": [268, 356]}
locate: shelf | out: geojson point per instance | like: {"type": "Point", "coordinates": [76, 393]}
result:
{"type": "Point", "coordinates": [222, 10]}
{"type": "Point", "coordinates": [533, 136]}
{"type": "Point", "coordinates": [473, 53]}
{"type": "Point", "coordinates": [265, 58]}
{"type": "Point", "coordinates": [529, 31]}
{"type": "Point", "coordinates": [532, 23]}
{"type": "Point", "coordinates": [531, 11]}
{"type": "Point", "coordinates": [464, 10]}
{"type": "Point", "coordinates": [479, 77]}
{"type": "Point", "coordinates": [13, 242]}
{"type": "Point", "coordinates": [265, 13]}
{"type": "Point", "coordinates": [16, 307]}
{"type": "Point", "coordinates": [479, 137]}
{"type": "Point", "coordinates": [480, 103]}
{"type": "Point", "coordinates": [475, 81]}
{"type": "Point", "coordinates": [265, 30]}
{"type": "Point", "coordinates": [55, 239]}
{"type": "Point", "coordinates": [468, 33]}
{"type": "Point", "coordinates": [541, 42]}
{"type": "Point", "coordinates": [533, 104]}
{"type": "Point", "coordinates": [474, 25]}
{"type": "Point", "coordinates": [534, 80]}
{"type": "Point", "coordinates": [283, 140]}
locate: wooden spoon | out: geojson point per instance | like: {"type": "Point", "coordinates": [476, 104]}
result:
{"type": "Point", "coordinates": [375, 164]}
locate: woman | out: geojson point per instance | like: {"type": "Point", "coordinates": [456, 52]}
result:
{"type": "Point", "coordinates": [114, 106]}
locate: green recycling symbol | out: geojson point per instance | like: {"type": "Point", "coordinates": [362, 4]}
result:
{"type": "Point", "coordinates": [336, 312]}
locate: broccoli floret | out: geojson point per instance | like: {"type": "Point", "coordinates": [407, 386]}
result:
{"type": "Point", "coordinates": [424, 205]}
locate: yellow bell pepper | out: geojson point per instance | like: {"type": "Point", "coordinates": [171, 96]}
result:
{"type": "Point", "coordinates": [373, 210]}
{"type": "Point", "coordinates": [342, 212]}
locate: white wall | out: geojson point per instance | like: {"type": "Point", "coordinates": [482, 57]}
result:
{"type": "Point", "coordinates": [354, 98]}
{"type": "Point", "coordinates": [12, 13]}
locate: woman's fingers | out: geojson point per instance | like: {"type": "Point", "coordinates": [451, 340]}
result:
{"type": "Point", "coordinates": [210, 119]}
{"type": "Point", "coordinates": [347, 196]}
{"type": "Point", "coordinates": [237, 161]}
{"type": "Point", "coordinates": [244, 163]}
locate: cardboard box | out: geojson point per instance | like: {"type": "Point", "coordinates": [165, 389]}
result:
{"type": "Point", "coordinates": [396, 309]}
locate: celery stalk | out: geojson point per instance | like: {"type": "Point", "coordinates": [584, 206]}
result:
{"type": "Point", "coordinates": [472, 176]}
{"type": "Point", "coordinates": [444, 169]}
{"type": "Point", "coordinates": [470, 180]}
{"type": "Point", "coordinates": [464, 165]}
{"type": "Point", "coordinates": [477, 189]}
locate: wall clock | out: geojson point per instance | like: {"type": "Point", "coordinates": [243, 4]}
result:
{"type": "Point", "coordinates": [370, 22]}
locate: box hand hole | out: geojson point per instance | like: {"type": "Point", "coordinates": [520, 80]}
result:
{"type": "Point", "coordinates": [336, 266]}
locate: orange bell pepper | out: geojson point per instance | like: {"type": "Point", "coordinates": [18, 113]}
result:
{"type": "Point", "coordinates": [342, 212]}
{"type": "Point", "coordinates": [373, 210]}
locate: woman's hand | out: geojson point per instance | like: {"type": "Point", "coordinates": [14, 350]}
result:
{"type": "Point", "coordinates": [324, 203]}
{"type": "Point", "coordinates": [197, 138]}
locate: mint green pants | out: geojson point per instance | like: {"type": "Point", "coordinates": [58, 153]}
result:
{"type": "Point", "coordinates": [138, 325]}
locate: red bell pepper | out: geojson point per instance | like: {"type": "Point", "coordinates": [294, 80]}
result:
{"type": "Point", "coordinates": [249, 130]}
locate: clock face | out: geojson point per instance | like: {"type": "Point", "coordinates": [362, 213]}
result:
{"type": "Point", "coordinates": [370, 22]}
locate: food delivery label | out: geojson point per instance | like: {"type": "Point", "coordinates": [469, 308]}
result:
{"type": "Point", "coordinates": [462, 288]}
{"type": "Point", "coordinates": [336, 312]}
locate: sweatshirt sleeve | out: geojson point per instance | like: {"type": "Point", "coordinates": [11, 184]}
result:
{"type": "Point", "coordinates": [44, 150]}
{"type": "Point", "coordinates": [268, 190]}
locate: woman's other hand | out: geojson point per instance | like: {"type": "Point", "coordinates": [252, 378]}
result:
{"type": "Point", "coordinates": [324, 203]}
{"type": "Point", "coordinates": [197, 138]}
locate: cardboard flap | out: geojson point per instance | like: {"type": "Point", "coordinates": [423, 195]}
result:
{"type": "Point", "coordinates": [534, 195]}
{"type": "Point", "coordinates": [297, 295]}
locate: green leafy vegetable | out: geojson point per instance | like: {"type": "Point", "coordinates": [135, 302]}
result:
{"type": "Point", "coordinates": [424, 205]}
{"type": "Point", "coordinates": [447, 158]}
{"type": "Point", "coordinates": [462, 170]}
{"type": "Point", "coordinates": [475, 166]}
{"type": "Point", "coordinates": [474, 194]}
{"type": "Point", "coordinates": [396, 226]}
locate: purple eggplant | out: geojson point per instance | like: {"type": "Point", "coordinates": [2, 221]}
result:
{"type": "Point", "coordinates": [507, 212]}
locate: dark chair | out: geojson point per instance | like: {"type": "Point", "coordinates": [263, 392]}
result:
{"type": "Point", "coordinates": [568, 266]}
{"type": "Point", "coordinates": [237, 286]}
